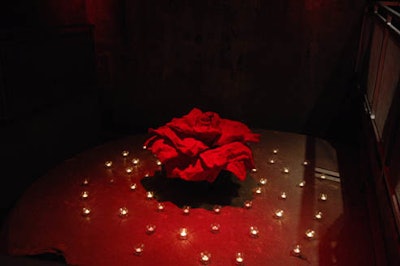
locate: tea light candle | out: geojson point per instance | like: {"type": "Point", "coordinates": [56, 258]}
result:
{"type": "Point", "coordinates": [254, 170]}
{"type": "Point", "coordinates": [258, 190]}
{"type": "Point", "coordinates": [138, 249]}
{"type": "Point", "coordinates": [135, 161]}
{"type": "Point", "coordinates": [248, 204]}
{"type": "Point", "coordinates": [286, 170]}
{"type": "Point", "coordinates": [125, 153]}
{"type": "Point", "coordinates": [144, 147]}
{"type": "Point", "coordinates": [239, 258]}
{"type": "Point", "coordinates": [275, 151]}
{"type": "Point", "coordinates": [160, 207]}
{"type": "Point", "coordinates": [318, 215]}
{"type": "Point", "coordinates": [129, 170]}
{"type": "Point", "coordinates": [253, 231]}
{"type": "Point", "coordinates": [186, 209]}
{"type": "Point", "coordinates": [214, 228]}
{"type": "Point", "coordinates": [296, 251]}
{"type": "Point", "coordinates": [323, 197]}
{"type": "Point", "coordinates": [150, 228]}
{"type": "Point", "coordinates": [149, 194]}
{"type": "Point", "coordinates": [302, 183]}
{"type": "Point", "coordinates": [217, 209]}
{"type": "Point", "coordinates": [205, 257]}
{"type": "Point", "coordinates": [85, 182]}
{"type": "Point", "coordinates": [183, 233]}
{"type": "Point", "coordinates": [283, 195]}
{"type": "Point", "coordinates": [84, 195]}
{"type": "Point", "coordinates": [279, 214]}
{"type": "Point", "coordinates": [271, 161]}
{"type": "Point", "coordinates": [133, 186]}
{"type": "Point", "coordinates": [158, 162]}
{"type": "Point", "coordinates": [310, 233]}
{"type": "Point", "coordinates": [305, 163]}
{"type": "Point", "coordinates": [123, 212]}
{"type": "Point", "coordinates": [108, 164]}
{"type": "Point", "coordinates": [263, 181]}
{"type": "Point", "coordinates": [322, 177]}
{"type": "Point", "coordinates": [85, 211]}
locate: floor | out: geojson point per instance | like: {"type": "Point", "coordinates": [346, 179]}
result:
{"type": "Point", "coordinates": [358, 199]}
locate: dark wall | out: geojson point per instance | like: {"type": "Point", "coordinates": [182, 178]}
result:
{"type": "Point", "coordinates": [283, 65]}
{"type": "Point", "coordinates": [49, 103]}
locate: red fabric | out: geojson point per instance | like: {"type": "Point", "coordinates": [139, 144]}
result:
{"type": "Point", "coordinates": [200, 144]}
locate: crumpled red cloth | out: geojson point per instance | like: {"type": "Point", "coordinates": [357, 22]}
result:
{"type": "Point", "coordinates": [199, 145]}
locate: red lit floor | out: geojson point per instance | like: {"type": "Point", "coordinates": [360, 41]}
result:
{"type": "Point", "coordinates": [48, 219]}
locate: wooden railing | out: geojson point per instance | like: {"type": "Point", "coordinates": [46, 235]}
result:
{"type": "Point", "coordinates": [378, 70]}
{"type": "Point", "coordinates": [386, 11]}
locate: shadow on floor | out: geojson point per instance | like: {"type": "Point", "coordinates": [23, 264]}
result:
{"type": "Point", "coordinates": [226, 190]}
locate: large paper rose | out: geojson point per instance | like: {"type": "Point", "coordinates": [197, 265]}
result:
{"type": "Point", "coordinates": [200, 144]}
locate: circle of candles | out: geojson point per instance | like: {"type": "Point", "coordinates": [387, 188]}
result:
{"type": "Point", "coordinates": [138, 249]}
{"type": "Point", "coordinates": [302, 183]}
{"type": "Point", "coordinates": [135, 161]}
{"type": "Point", "coordinates": [149, 194]}
{"type": "Point", "coordinates": [271, 161]}
{"type": "Point", "coordinates": [275, 151]}
{"type": "Point", "coordinates": [85, 182]}
{"type": "Point", "coordinates": [150, 228]}
{"type": "Point", "coordinates": [286, 170]}
{"type": "Point", "coordinates": [248, 204]}
{"type": "Point", "coordinates": [133, 186]}
{"type": "Point", "coordinates": [160, 207]}
{"type": "Point", "coordinates": [310, 233]}
{"type": "Point", "coordinates": [186, 209]}
{"type": "Point", "coordinates": [283, 195]}
{"type": "Point", "coordinates": [205, 257]}
{"type": "Point", "coordinates": [258, 190]}
{"type": "Point", "coordinates": [279, 213]}
{"type": "Point", "coordinates": [263, 181]}
{"type": "Point", "coordinates": [85, 211]}
{"type": "Point", "coordinates": [108, 164]}
{"type": "Point", "coordinates": [217, 209]}
{"type": "Point", "coordinates": [84, 195]}
{"type": "Point", "coordinates": [296, 251]}
{"type": "Point", "coordinates": [125, 153]}
{"type": "Point", "coordinates": [254, 170]}
{"type": "Point", "coordinates": [253, 231]}
{"type": "Point", "coordinates": [318, 215]}
{"type": "Point", "coordinates": [159, 162]}
{"type": "Point", "coordinates": [215, 228]}
{"type": "Point", "coordinates": [123, 212]}
{"type": "Point", "coordinates": [183, 233]}
{"type": "Point", "coordinates": [239, 258]}
{"type": "Point", "coordinates": [323, 197]}
{"type": "Point", "coordinates": [129, 170]}
{"type": "Point", "coordinates": [305, 163]}
{"type": "Point", "coordinates": [322, 176]}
